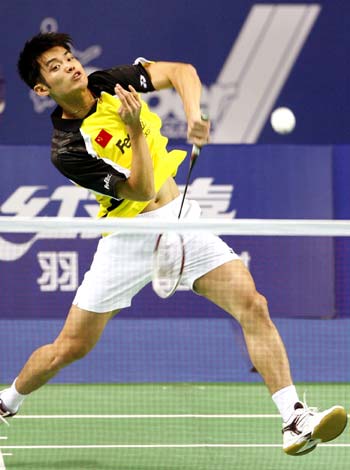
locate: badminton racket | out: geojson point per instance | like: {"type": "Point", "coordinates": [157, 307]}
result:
{"type": "Point", "coordinates": [169, 251]}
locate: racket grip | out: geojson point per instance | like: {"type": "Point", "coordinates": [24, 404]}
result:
{"type": "Point", "coordinates": [195, 148]}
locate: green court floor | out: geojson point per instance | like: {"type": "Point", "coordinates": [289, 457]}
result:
{"type": "Point", "coordinates": [163, 427]}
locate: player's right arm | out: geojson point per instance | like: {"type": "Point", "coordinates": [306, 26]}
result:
{"type": "Point", "coordinates": [184, 79]}
{"type": "Point", "coordinates": [146, 76]}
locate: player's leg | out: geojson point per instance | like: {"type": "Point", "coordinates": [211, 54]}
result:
{"type": "Point", "coordinates": [117, 273]}
{"type": "Point", "coordinates": [78, 336]}
{"type": "Point", "coordinates": [231, 287]}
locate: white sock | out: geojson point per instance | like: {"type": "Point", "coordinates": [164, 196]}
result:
{"type": "Point", "coordinates": [285, 400]}
{"type": "Point", "coordinates": [12, 399]}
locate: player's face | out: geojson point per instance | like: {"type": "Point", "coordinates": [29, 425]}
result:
{"type": "Point", "coordinates": [62, 72]}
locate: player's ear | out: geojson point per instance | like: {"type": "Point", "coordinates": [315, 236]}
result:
{"type": "Point", "coordinates": [41, 89]}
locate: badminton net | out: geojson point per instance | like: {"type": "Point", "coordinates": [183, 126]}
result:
{"type": "Point", "coordinates": [172, 378]}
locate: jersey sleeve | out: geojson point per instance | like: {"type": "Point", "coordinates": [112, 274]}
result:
{"type": "Point", "coordinates": [95, 174]}
{"type": "Point", "coordinates": [135, 75]}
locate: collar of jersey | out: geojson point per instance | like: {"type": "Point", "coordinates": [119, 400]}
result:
{"type": "Point", "coordinates": [68, 124]}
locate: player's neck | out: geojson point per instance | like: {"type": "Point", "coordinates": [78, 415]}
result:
{"type": "Point", "coordinates": [78, 107]}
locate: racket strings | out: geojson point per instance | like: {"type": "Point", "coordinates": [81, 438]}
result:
{"type": "Point", "coordinates": [169, 260]}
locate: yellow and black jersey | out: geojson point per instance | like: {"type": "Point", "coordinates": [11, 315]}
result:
{"type": "Point", "coordinates": [95, 152]}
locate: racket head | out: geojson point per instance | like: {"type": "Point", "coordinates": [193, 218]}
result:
{"type": "Point", "coordinates": [168, 263]}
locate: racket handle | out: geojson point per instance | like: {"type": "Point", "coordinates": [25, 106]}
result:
{"type": "Point", "coordinates": [195, 148]}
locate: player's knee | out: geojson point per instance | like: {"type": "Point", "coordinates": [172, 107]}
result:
{"type": "Point", "coordinates": [256, 312]}
{"type": "Point", "coordinates": [70, 351]}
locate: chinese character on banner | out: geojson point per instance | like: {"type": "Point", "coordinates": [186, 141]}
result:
{"type": "Point", "coordinates": [59, 271]}
{"type": "Point", "coordinates": [214, 199]}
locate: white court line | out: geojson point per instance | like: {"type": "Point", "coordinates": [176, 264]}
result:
{"type": "Point", "coordinates": [153, 416]}
{"type": "Point", "coordinates": [152, 446]}
{"type": "Point", "coordinates": [155, 446]}
{"type": "Point", "coordinates": [149, 416]}
{"type": "Point", "coordinates": [2, 463]}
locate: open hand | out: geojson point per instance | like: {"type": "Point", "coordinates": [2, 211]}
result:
{"type": "Point", "coordinates": [130, 107]}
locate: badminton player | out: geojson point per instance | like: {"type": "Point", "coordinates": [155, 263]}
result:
{"type": "Point", "coordinates": [107, 140]}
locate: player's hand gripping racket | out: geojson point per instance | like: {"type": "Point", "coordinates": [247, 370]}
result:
{"type": "Point", "coordinates": [169, 251]}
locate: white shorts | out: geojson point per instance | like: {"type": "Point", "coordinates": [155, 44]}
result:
{"type": "Point", "coordinates": [122, 264]}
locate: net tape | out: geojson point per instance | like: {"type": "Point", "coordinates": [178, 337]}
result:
{"type": "Point", "coordinates": [262, 227]}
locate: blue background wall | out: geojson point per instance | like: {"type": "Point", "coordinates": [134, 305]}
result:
{"type": "Point", "coordinates": [314, 84]}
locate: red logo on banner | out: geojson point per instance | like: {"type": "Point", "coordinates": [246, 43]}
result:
{"type": "Point", "coordinates": [103, 138]}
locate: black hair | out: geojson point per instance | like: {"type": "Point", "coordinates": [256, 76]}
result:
{"type": "Point", "coordinates": [28, 66]}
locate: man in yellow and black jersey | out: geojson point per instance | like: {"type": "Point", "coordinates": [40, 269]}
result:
{"type": "Point", "coordinates": [107, 140]}
{"type": "Point", "coordinates": [95, 152]}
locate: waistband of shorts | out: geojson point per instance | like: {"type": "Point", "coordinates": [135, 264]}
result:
{"type": "Point", "coordinates": [168, 210]}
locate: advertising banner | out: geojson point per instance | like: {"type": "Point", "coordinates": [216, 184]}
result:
{"type": "Point", "coordinates": [40, 272]}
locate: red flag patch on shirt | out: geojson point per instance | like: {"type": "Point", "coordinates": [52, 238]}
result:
{"type": "Point", "coordinates": [103, 138]}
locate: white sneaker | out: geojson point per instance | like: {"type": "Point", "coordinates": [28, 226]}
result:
{"type": "Point", "coordinates": [4, 412]}
{"type": "Point", "coordinates": [307, 427]}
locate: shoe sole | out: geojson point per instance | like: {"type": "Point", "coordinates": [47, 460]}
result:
{"type": "Point", "coordinates": [330, 427]}
{"type": "Point", "coordinates": [308, 444]}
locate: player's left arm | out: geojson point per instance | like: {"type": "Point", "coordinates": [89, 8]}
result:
{"type": "Point", "coordinates": [184, 78]}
